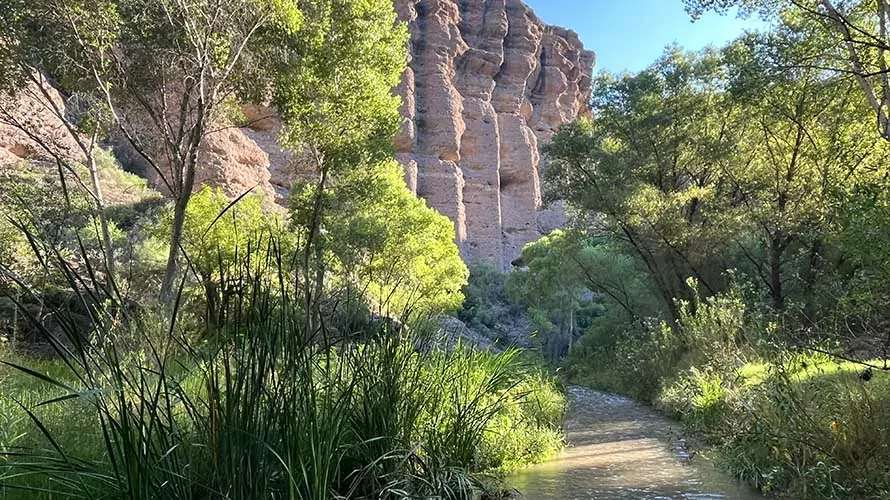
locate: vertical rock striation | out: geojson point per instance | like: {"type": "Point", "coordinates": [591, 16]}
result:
{"type": "Point", "coordinates": [487, 83]}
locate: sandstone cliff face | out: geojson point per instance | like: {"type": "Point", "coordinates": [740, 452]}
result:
{"type": "Point", "coordinates": [487, 83]}
{"type": "Point", "coordinates": [31, 128]}
{"type": "Point", "coordinates": [232, 158]}
{"type": "Point", "coordinates": [35, 137]}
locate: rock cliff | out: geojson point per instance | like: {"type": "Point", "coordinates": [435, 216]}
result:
{"type": "Point", "coordinates": [31, 126]}
{"type": "Point", "coordinates": [487, 83]}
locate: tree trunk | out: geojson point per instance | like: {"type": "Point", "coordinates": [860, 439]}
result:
{"type": "Point", "coordinates": [103, 219]}
{"type": "Point", "coordinates": [810, 276]}
{"type": "Point", "coordinates": [187, 165]}
{"type": "Point", "coordinates": [571, 327]}
{"type": "Point", "coordinates": [775, 272]}
{"type": "Point", "coordinates": [214, 303]}
{"type": "Point", "coordinates": [660, 283]}
{"type": "Point", "coordinates": [173, 256]}
{"type": "Point", "coordinates": [313, 294]}
{"type": "Point", "coordinates": [319, 271]}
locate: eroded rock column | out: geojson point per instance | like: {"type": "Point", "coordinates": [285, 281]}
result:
{"type": "Point", "coordinates": [488, 83]}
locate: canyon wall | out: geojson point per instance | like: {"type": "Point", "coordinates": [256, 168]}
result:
{"type": "Point", "coordinates": [487, 83]}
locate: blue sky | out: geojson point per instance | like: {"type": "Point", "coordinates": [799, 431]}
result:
{"type": "Point", "coordinates": [631, 34]}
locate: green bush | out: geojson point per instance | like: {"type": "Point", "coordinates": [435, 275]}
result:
{"type": "Point", "coordinates": [486, 303]}
{"type": "Point", "coordinates": [527, 430]}
{"type": "Point", "coordinates": [385, 241]}
{"type": "Point", "coordinates": [701, 399]}
{"type": "Point", "coordinates": [794, 425]}
{"type": "Point", "coordinates": [631, 359]}
{"type": "Point", "coordinates": [521, 408]}
{"type": "Point", "coordinates": [814, 428]}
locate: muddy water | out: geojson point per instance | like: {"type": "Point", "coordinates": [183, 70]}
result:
{"type": "Point", "coordinates": [620, 449]}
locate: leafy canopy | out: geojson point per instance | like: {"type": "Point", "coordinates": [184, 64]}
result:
{"type": "Point", "coordinates": [335, 89]}
{"type": "Point", "coordinates": [388, 241]}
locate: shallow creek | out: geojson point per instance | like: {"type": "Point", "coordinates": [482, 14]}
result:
{"type": "Point", "coordinates": [621, 449]}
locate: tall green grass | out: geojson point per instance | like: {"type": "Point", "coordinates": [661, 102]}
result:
{"type": "Point", "coordinates": [140, 406]}
{"type": "Point", "coordinates": [804, 426]}
{"type": "Point", "coordinates": [792, 421]}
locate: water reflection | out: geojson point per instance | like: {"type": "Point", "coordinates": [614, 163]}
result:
{"type": "Point", "coordinates": [623, 450]}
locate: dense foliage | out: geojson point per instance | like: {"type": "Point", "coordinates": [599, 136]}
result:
{"type": "Point", "coordinates": [266, 410]}
{"type": "Point", "coordinates": [727, 222]}
{"type": "Point", "coordinates": [553, 290]}
{"type": "Point", "coordinates": [386, 242]}
{"type": "Point", "coordinates": [159, 76]}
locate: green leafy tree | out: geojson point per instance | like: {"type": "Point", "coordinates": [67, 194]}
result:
{"type": "Point", "coordinates": [706, 163]}
{"type": "Point", "coordinates": [336, 97]}
{"type": "Point", "coordinates": [848, 37]}
{"type": "Point", "coordinates": [649, 168]}
{"type": "Point", "coordinates": [486, 303]}
{"type": "Point", "coordinates": [387, 242]}
{"type": "Point", "coordinates": [554, 285]}
{"type": "Point", "coordinates": [159, 72]}
{"type": "Point", "coordinates": [809, 140]}
{"type": "Point", "coordinates": [222, 239]}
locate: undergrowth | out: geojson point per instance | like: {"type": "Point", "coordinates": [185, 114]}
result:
{"type": "Point", "coordinates": [793, 422]}
{"type": "Point", "coordinates": [263, 407]}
